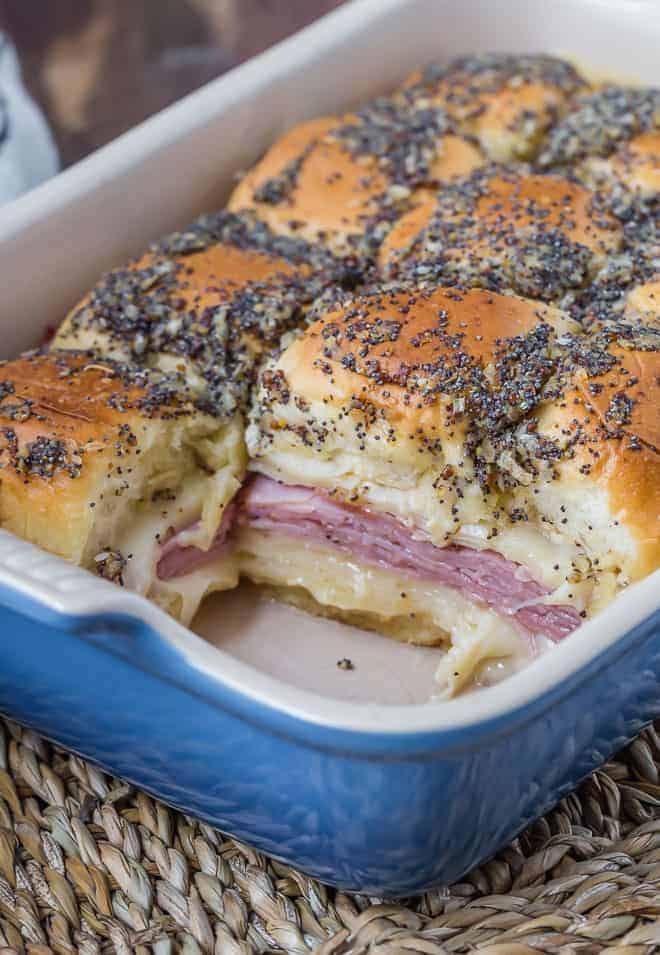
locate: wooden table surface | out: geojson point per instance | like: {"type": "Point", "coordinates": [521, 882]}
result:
{"type": "Point", "coordinates": [98, 67]}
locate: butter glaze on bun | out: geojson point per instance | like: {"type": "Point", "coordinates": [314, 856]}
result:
{"type": "Point", "coordinates": [506, 102]}
{"type": "Point", "coordinates": [636, 165]}
{"type": "Point", "coordinates": [610, 141]}
{"type": "Point", "coordinates": [409, 379]}
{"type": "Point", "coordinates": [600, 123]}
{"type": "Point", "coordinates": [539, 236]}
{"type": "Point", "coordinates": [643, 303]}
{"type": "Point", "coordinates": [446, 394]}
{"type": "Point", "coordinates": [206, 302]}
{"type": "Point", "coordinates": [609, 478]}
{"type": "Point", "coordinates": [85, 441]}
{"type": "Point", "coordinates": [341, 181]}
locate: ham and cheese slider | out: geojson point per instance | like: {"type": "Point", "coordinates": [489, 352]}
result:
{"type": "Point", "coordinates": [429, 465]}
{"type": "Point", "coordinates": [540, 236]}
{"type": "Point", "coordinates": [377, 440]}
{"type": "Point", "coordinates": [98, 460]}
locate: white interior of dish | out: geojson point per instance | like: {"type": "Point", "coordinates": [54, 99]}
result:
{"type": "Point", "coordinates": [55, 241]}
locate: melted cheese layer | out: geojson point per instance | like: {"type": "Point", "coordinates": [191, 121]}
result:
{"type": "Point", "coordinates": [470, 634]}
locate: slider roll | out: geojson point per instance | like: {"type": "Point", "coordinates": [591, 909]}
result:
{"type": "Point", "coordinates": [408, 380]}
{"type": "Point", "coordinates": [610, 139]}
{"type": "Point", "coordinates": [200, 309]}
{"type": "Point", "coordinates": [507, 102]}
{"type": "Point", "coordinates": [206, 302]}
{"type": "Point", "coordinates": [98, 460]}
{"type": "Point", "coordinates": [540, 236]}
{"type": "Point", "coordinates": [342, 181]}
{"type": "Point", "coordinates": [427, 412]}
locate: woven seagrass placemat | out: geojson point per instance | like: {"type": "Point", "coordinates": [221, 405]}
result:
{"type": "Point", "coordinates": [88, 864]}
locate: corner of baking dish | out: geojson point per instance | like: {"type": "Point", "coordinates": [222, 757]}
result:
{"type": "Point", "coordinates": [43, 587]}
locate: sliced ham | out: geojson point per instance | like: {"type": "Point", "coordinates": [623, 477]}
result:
{"type": "Point", "coordinates": [483, 576]}
{"type": "Point", "coordinates": [379, 539]}
{"type": "Point", "coordinates": [177, 561]}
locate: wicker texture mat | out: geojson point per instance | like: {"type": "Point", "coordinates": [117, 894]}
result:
{"type": "Point", "coordinates": [88, 864]}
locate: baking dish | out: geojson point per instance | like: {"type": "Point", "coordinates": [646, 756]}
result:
{"type": "Point", "coordinates": [345, 775]}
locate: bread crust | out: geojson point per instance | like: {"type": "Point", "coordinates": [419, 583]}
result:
{"type": "Point", "coordinates": [404, 332]}
{"type": "Point", "coordinates": [73, 427]}
{"type": "Point", "coordinates": [611, 425]}
{"type": "Point", "coordinates": [507, 102]}
{"type": "Point", "coordinates": [637, 164]}
{"type": "Point", "coordinates": [537, 235]}
{"type": "Point", "coordinates": [206, 303]}
{"type": "Point", "coordinates": [326, 182]}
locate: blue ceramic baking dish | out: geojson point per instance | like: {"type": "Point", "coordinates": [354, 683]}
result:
{"type": "Point", "coordinates": [386, 798]}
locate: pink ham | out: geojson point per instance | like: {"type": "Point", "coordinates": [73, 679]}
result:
{"type": "Point", "coordinates": [176, 561]}
{"type": "Point", "coordinates": [381, 540]}
{"type": "Point", "coordinates": [377, 538]}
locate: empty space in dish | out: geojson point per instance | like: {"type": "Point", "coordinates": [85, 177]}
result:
{"type": "Point", "coordinates": [304, 651]}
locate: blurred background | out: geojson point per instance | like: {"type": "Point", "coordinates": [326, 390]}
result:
{"type": "Point", "coordinates": [97, 67]}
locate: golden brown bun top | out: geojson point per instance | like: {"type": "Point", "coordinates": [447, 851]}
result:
{"type": "Point", "coordinates": [206, 302]}
{"type": "Point", "coordinates": [84, 440]}
{"type": "Point", "coordinates": [507, 102]}
{"type": "Point", "coordinates": [538, 235]}
{"type": "Point", "coordinates": [307, 184]}
{"type": "Point", "coordinates": [221, 269]}
{"type": "Point", "coordinates": [626, 399]}
{"type": "Point", "coordinates": [56, 408]}
{"type": "Point", "coordinates": [211, 278]}
{"type": "Point", "coordinates": [502, 204]}
{"type": "Point", "coordinates": [340, 180]}
{"type": "Point", "coordinates": [507, 389]}
{"type": "Point", "coordinates": [406, 236]}
{"type": "Point", "coordinates": [510, 205]}
{"type": "Point", "coordinates": [413, 353]}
